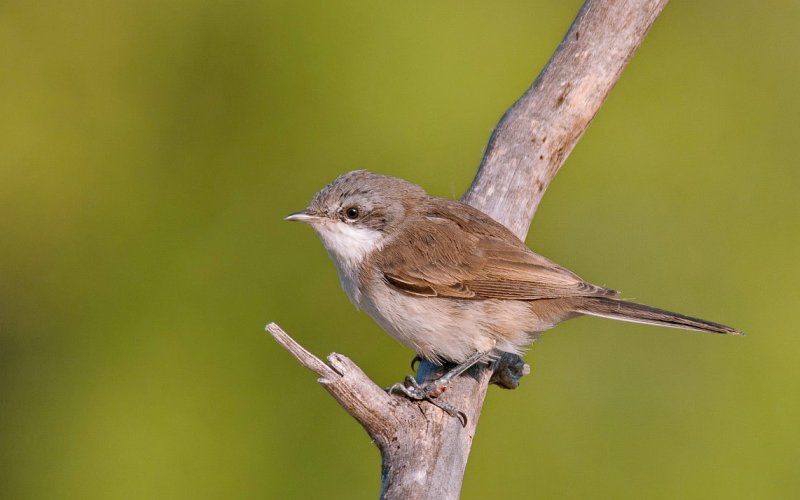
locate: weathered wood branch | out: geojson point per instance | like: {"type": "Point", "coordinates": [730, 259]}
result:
{"type": "Point", "coordinates": [424, 450]}
{"type": "Point", "coordinates": [417, 461]}
{"type": "Point", "coordinates": [535, 136]}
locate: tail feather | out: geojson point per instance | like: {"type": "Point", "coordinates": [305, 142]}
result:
{"type": "Point", "coordinates": [637, 313]}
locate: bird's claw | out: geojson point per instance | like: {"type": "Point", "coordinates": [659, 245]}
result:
{"type": "Point", "coordinates": [411, 389]}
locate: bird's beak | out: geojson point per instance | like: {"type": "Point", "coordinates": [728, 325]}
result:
{"type": "Point", "coordinates": [304, 217]}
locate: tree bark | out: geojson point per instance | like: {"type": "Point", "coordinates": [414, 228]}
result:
{"type": "Point", "coordinates": [423, 449]}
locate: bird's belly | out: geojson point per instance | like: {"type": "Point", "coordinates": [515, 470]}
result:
{"type": "Point", "coordinates": [441, 329]}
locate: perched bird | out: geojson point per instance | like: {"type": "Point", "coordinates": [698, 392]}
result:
{"type": "Point", "coordinates": [450, 282]}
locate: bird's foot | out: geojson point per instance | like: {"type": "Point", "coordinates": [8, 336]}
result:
{"type": "Point", "coordinates": [411, 389]}
{"type": "Point", "coordinates": [433, 389]}
{"type": "Point", "coordinates": [508, 370]}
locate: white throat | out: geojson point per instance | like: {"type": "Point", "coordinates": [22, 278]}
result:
{"type": "Point", "coordinates": [348, 246]}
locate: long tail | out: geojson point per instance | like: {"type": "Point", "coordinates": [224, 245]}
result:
{"type": "Point", "coordinates": [637, 313]}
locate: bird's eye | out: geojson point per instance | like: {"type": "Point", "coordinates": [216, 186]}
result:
{"type": "Point", "coordinates": [352, 213]}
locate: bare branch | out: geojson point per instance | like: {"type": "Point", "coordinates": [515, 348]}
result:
{"type": "Point", "coordinates": [424, 450]}
{"type": "Point", "coordinates": [535, 136]}
{"type": "Point", "coordinates": [302, 355]}
{"type": "Point", "coordinates": [377, 411]}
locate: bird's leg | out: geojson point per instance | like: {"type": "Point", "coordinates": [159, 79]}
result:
{"type": "Point", "coordinates": [433, 389]}
{"type": "Point", "coordinates": [436, 387]}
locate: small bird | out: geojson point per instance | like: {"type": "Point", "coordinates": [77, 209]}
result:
{"type": "Point", "coordinates": [450, 282]}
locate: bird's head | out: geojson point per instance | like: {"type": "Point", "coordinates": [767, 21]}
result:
{"type": "Point", "coordinates": [359, 212]}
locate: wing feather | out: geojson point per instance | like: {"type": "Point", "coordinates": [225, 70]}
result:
{"type": "Point", "coordinates": [459, 252]}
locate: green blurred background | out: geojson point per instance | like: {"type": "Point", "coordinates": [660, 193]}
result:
{"type": "Point", "coordinates": [149, 151]}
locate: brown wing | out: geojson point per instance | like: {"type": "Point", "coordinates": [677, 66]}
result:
{"type": "Point", "coordinates": [459, 252]}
